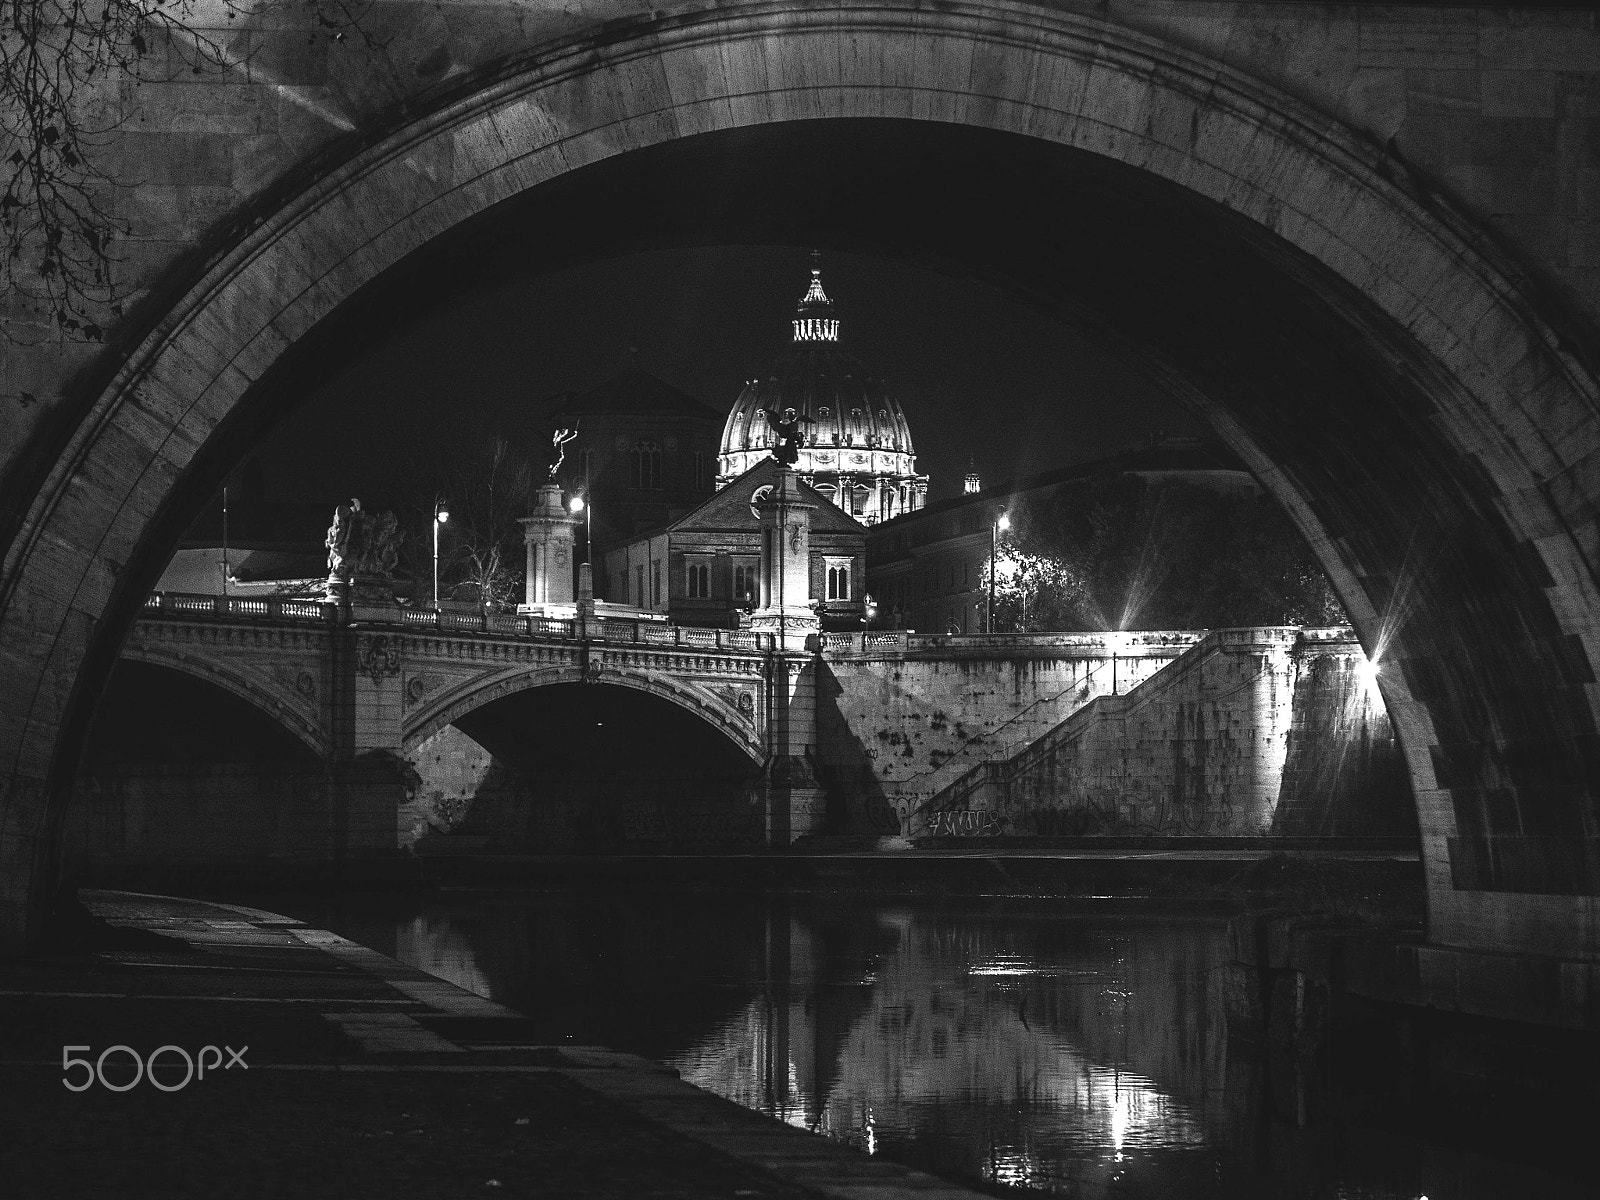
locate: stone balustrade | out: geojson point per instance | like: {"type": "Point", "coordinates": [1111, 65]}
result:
{"type": "Point", "coordinates": [608, 629]}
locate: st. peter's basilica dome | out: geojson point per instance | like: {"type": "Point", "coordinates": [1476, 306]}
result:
{"type": "Point", "coordinates": [855, 445]}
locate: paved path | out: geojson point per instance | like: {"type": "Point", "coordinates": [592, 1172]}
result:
{"type": "Point", "coordinates": [357, 1077]}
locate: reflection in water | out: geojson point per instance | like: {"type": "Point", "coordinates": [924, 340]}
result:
{"type": "Point", "coordinates": [1026, 1043]}
{"type": "Point", "coordinates": [998, 1050]}
{"type": "Point", "coordinates": [434, 944]}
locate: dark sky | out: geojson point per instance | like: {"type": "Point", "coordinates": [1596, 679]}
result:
{"type": "Point", "coordinates": [978, 376]}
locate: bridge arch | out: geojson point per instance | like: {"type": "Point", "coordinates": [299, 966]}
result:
{"type": "Point", "coordinates": [711, 709]}
{"type": "Point", "coordinates": [1490, 670]}
{"type": "Point", "coordinates": [260, 696]}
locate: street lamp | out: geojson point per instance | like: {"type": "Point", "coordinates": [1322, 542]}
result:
{"type": "Point", "coordinates": [579, 505]}
{"type": "Point", "coordinates": [441, 514]}
{"type": "Point", "coordinates": [1001, 524]}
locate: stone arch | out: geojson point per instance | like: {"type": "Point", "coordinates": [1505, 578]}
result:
{"type": "Point", "coordinates": [712, 709]}
{"type": "Point", "coordinates": [265, 699]}
{"type": "Point", "coordinates": [1507, 394]}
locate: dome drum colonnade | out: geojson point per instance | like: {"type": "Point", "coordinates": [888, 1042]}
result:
{"type": "Point", "coordinates": [855, 444]}
{"type": "Point", "coordinates": [1413, 279]}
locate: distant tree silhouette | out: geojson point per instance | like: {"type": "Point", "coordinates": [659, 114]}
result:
{"type": "Point", "coordinates": [1117, 552]}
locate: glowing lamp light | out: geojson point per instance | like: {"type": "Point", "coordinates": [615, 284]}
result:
{"type": "Point", "coordinates": [1004, 523]}
{"type": "Point", "coordinates": [442, 516]}
{"type": "Point", "coordinates": [1368, 670]}
{"type": "Point", "coordinates": [575, 504]}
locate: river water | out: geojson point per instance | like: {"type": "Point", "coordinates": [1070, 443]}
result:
{"type": "Point", "coordinates": [1056, 1047]}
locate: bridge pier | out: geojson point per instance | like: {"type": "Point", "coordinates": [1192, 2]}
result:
{"type": "Point", "coordinates": [366, 771]}
{"type": "Point", "coordinates": [788, 790]}
{"type": "Point", "coordinates": [790, 794]}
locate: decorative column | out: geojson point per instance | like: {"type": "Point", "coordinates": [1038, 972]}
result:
{"type": "Point", "coordinates": [784, 609]}
{"type": "Point", "coordinates": [793, 802]}
{"type": "Point", "coordinates": [548, 536]}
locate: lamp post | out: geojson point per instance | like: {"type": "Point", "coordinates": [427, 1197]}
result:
{"type": "Point", "coordinates": [441, 514]}
{"type": "Point", "coordinates": [1001, 524]}
{"type": "Point", "coordinates": [578, 504]}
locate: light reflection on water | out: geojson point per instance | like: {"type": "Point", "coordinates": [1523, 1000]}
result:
{"type": "Point", "coordinates": [1033, 1068]}
{"type": "Point", "coordinates": [1022, 1043]}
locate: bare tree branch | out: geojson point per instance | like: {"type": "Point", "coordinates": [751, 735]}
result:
{"type": "Point", "coordinates": [63, 64]}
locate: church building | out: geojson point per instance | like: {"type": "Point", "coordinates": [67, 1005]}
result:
{"type": "Point", "coordinates": [854, 460]}
{"type": "Point", "coordinates": [644, 453]}
{"type": "Point", "coordinates": [705, 569]}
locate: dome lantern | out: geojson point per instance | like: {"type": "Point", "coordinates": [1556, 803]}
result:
{"type": "Point", "coordinates": [814, 320]}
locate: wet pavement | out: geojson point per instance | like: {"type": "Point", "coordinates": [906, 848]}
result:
{"type": "Point", "coordinates": [222, 1051]}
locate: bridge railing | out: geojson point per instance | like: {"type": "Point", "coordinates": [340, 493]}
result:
{"type": "Point", "coordinates": [510, 624]}
{"type": "Point", "coordinates": [656, 633]}
{"type": "Point", "coordinates": [1131, 644]}
{"type": "Point", "coordinates": [258, 608]}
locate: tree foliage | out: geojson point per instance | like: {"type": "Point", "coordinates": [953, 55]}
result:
{"type": "Point", "coordinates": [1117, 552]}
{"type": "Point", "coordinates": [63, 67]}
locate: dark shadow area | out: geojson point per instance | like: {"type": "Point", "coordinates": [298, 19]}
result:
{"type": "Point", "coordinates": [153, 714]}
{"type": "Point", "coordinates": [588, 767]}
{"type": "Point", "coordinates": [182, 771]}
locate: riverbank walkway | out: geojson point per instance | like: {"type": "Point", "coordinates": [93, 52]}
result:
{"type": "Point", "coordinates": [339, 1072]}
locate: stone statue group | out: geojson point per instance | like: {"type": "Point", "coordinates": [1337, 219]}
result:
{"type": "Point", "coordinates": [361, 545]}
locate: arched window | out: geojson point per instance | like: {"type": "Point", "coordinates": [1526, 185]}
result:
{"type": "Point", "coordinates": [647, 466]}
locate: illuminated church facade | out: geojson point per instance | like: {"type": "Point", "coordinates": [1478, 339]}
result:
{"type": "Point", "coordinates": [855, 462]}
{"type": "Point", "coordinates": [855, 444]}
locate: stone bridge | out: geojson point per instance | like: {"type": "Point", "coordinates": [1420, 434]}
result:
{"type": "Point", "coordinates": [1358, 240]}
{"type": "Point", "coordinates": [346, 687]}
{"type": "Point", "coordinates": [895, 727]}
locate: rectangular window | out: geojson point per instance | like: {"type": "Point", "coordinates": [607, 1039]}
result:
{"type": "Point", "coordinates": [655, 586]}
{"type": "Point", "coordinates": [744, 582]}
{"type": "Point", "coordinates": [698, 470]}
{"type": "Point", "coordinates": [638, 575]}
{"type": "Point", "coordinates": [647, 466]}
{"type": "Point", "coordinates": [699, 583]}
{"type": "Point", "coordinates": [838, 578]}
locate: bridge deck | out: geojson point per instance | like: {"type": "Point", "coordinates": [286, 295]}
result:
{"type": "Point", "coordinates": [275, 610]}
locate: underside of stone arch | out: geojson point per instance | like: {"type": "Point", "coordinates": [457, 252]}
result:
{"type": "Point", "coordinates": [1374, 360]}
{"type": "Point", "coordinates": [716, 713]}
{"type": "Point", "coordinates": [272, 702]}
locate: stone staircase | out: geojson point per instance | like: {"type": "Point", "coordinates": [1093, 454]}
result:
{"type": "Point", "coordinates": [1147, 761]}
